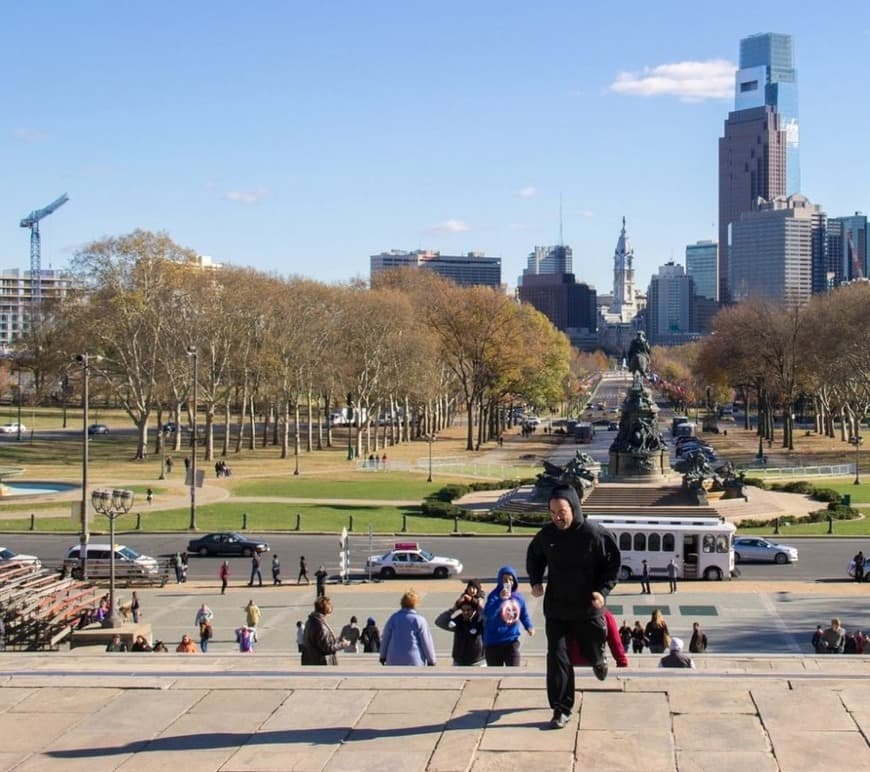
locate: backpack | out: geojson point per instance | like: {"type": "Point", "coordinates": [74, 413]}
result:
{"type": "Point", "coordinates": [205, 630]}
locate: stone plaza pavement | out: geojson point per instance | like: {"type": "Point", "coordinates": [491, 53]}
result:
{"type": "Point", "coordinates": [264, 712]}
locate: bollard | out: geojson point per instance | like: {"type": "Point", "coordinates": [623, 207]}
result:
{"type": "Point", "coordinates": [138, 521]}
{"type": "Point", "coordinates": [776, 525]}
{"type": "Point", "coordinates": [298, 521]}
{"type": "Point", "coordinates": [455, 523]}
{"type": "Point", "coordinates": [510, 523]}
{"type": "Point", "coordinates": [32, 522]}
{"type": "Point", "coordinates": [350, 523]}
{"type": "Point", "coordinates": [404, 524]}
{"type": "Point", "coordinates": [244, 521]}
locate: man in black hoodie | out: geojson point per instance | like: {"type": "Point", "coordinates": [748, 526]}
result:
{"type": "Point", "coordinates": [581, 560]}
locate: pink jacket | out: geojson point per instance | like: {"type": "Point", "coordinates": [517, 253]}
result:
{"type": "Point", "coordinates": [613, 641]}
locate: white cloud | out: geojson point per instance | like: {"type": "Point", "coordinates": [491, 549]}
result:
{"type": "Point", "coordinates": [451, 226]}
{"type": "Point", "coordinates": [586, 213]}
{"type": "Point", "coordinates": [247, 196]}
{"type": "Point", "coordinates": [519, 226]}
{"type": "Point", "coordinates": [30, 135]}
{"type": "Point", "coordinates": [528, 192]}
{"type": "Point", "coordinates": [689, 81]}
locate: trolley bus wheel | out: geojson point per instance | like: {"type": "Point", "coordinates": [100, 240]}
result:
{"type": "Point", "coordinates": [713, 574]}
{"type": "Point", "coordinates": [624, 573]}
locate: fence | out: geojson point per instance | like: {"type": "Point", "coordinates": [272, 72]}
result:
{"type": "Point", "coordinates": [824, 470]}
{"type": "Point", "coordinates": [454, 466]}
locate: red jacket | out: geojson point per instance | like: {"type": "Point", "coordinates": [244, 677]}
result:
{"type": "Point", "coordinates": [613, 641]}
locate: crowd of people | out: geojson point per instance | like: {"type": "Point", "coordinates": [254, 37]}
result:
{"type": "Point", "coordinates": [837, 640]}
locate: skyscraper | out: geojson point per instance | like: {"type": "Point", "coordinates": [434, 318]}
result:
{"type": "Point", "coordinates": [549, 260]}
{"type": "Point", "coordinates": [767, 77]}
{"type": "Point", "coordinates": [775, 249]}
{"type": "Point", "coordinates": [759, 152]}
{"type": "Point", "coordinates": [670, 306]}
{"type": "Point", "coordinates": [701, 264]}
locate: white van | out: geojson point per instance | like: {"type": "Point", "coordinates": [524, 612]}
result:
{"type": "Point", "coordinates": [128, 562]}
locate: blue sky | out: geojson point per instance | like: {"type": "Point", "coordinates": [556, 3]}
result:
{"type": "Point", "coordinates": [300, 138]}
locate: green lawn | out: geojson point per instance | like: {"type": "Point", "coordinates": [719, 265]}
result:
{"type": "Point", "coordinates": [394, 486]}
{"type": "Point", "coordinates": [267, 518]}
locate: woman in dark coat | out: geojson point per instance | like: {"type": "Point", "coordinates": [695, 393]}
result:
{"type": "Point", "coordinates": [371, 636]}
{"type": "Point", "coordinates": [319, 643]}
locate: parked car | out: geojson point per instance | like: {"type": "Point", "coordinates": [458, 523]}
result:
{"type": "Point", "coordinates": [128, 562]}
{"type": "Point", "coordinates": [12, 428]}
{"type": "Point", "coordinates": [229, 543]}
{"type": "Point", "coordinates": [749, 548]}
{"type": "Point", "coordinates": [8, 556]}
{"type": "Point", "coordinates": [407, 558]}
{"type": "Point", "coordinates": [170, 427]}
{"type": "Point", "coordinates": [95, 429]}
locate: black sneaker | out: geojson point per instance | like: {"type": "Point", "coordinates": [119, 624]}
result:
{"type": "Point", "coordinates": [559, 721]}
{"type": "Point", "coordinates": [600, 670]}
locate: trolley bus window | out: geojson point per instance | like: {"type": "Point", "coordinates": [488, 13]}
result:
{"type": "Point", "coordinates": [709, 544]}
{"type": "Point", "coordinates": [722, 543]}
{"type": "Point", "coordinates": [639, 542]}
{"type": "Point", "coordinates": [668, 542]}
{"type": "Point", "coordinates": [654, 542]}
{"type": "Point", "coordinates": [625, 542]}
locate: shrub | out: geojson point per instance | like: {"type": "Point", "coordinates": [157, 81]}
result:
{"type": "Point", "coordinates": [796, 486]}
{"type": "Point", "coordinates": [827, 494]}
{"type": "Point", "coordinates": [443, 509]}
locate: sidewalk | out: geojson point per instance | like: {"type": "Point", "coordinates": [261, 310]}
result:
{"type": "Point", "coordinates": [257, 713]}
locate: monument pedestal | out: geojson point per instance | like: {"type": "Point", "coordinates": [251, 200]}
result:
{"type": "Point", "coordinates": [633, 466]}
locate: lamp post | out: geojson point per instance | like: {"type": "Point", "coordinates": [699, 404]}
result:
{"type": "Point", "coordinates": [191, 352]}
{"type": "Point", "coordinates": [431, 438]}
{"type": "Point", "coordinates": [84, 360]}
{"type": "Point", "coordinates": [857, 440]}
{"type": "Point", "coordinates": [112, 504]}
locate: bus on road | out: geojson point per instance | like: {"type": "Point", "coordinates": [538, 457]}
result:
{"type": "Point", "coordinates": [702, 547]}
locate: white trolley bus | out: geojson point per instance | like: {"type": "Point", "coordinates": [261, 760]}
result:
{"type": "Point", "coordinates": [701, 547]}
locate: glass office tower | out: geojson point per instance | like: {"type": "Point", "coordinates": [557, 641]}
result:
{"type": "Point", "coordinates": [767, 76]}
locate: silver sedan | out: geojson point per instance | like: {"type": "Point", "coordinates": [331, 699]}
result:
{"type": "Point", "coordinates": [754, 548]}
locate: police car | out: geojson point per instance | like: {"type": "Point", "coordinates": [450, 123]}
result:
{"type": "Point", "coordinates": [408, 558]}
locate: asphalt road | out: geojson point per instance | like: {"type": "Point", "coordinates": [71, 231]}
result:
{"type": "Point", "coordinates": [821, 559]}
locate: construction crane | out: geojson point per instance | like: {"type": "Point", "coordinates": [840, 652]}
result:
{"type": "Point", "coordinates": [32, 222]}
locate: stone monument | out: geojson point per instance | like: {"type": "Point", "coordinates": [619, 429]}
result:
{"type": "Point", "coordinates": [639, 452]}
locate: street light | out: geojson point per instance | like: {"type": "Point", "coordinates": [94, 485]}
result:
{"type": "Point", "coordinates": [856, 441]}
{"type": "Point", "coordinates": [430, 438]}
{"type": "Point", "coordinates": [112, 504]}
{"type": "Point", "coordinates": [84, 360]}
{"type": "Point", "coordinates": [191, 352]}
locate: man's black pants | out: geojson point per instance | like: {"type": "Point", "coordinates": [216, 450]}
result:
{"type": "Point", "coordinates": [591, 635]}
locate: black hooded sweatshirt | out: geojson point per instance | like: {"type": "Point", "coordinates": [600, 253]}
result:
{"type": "Point", "coordinates": [578, 561]}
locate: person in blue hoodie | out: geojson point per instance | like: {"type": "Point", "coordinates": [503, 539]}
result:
{"type": "Point", "coordinates": [505, 614]}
